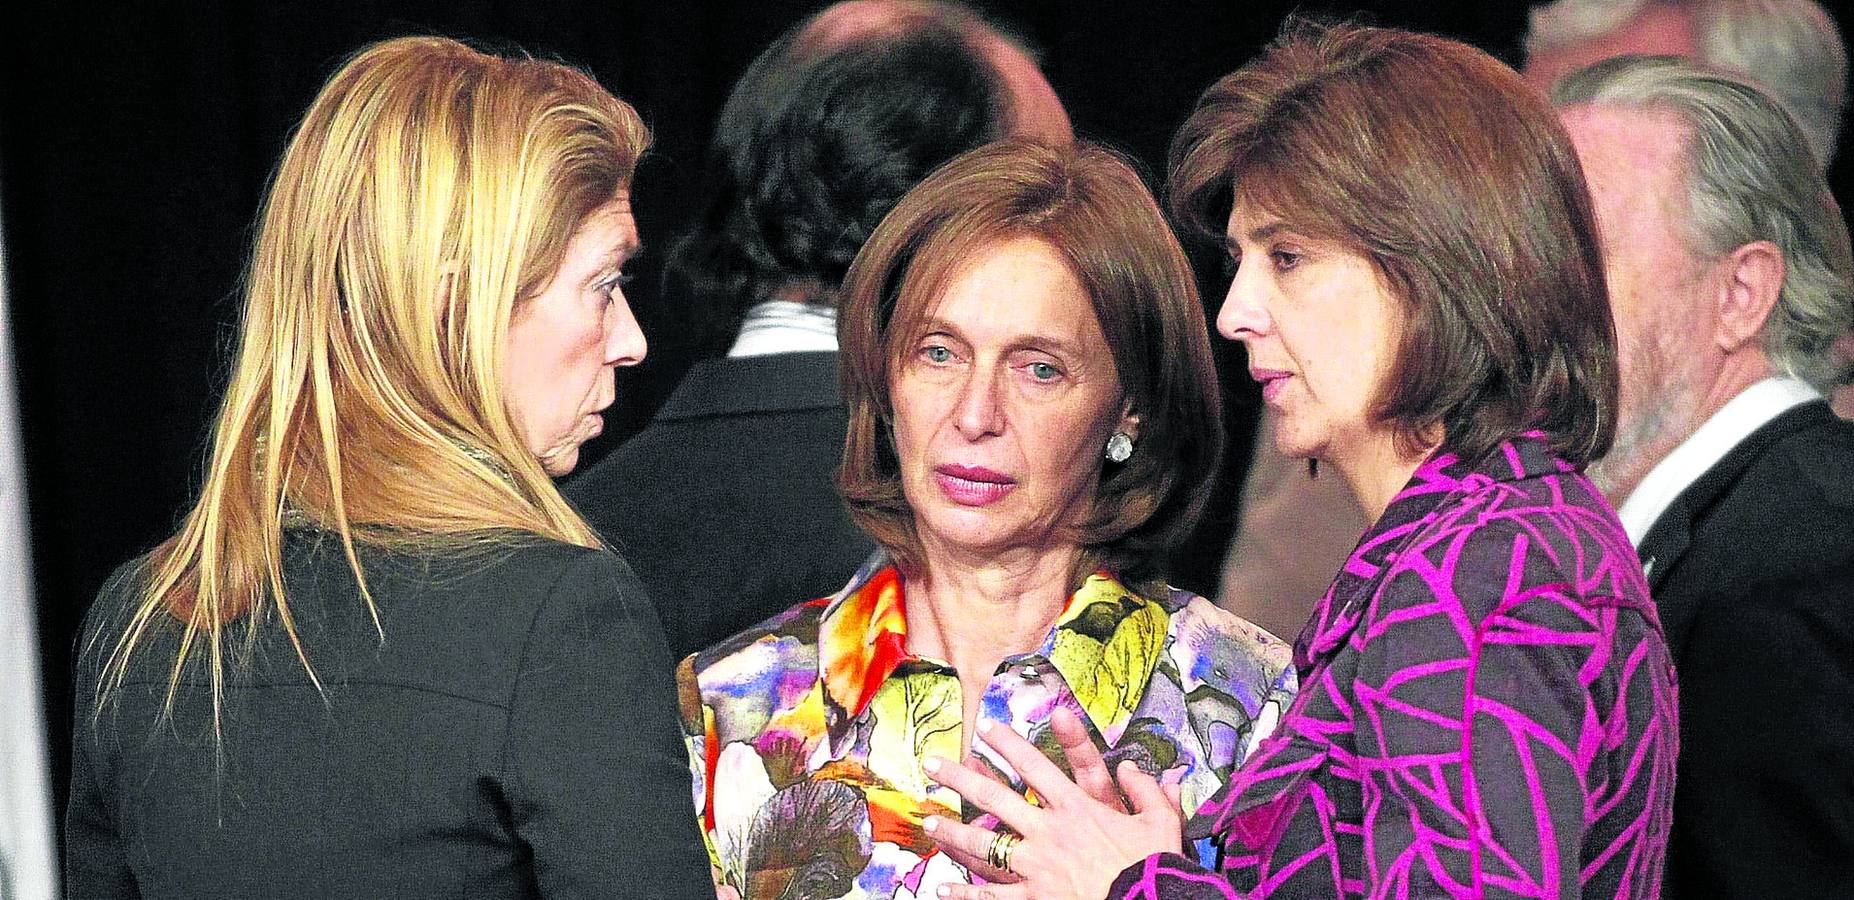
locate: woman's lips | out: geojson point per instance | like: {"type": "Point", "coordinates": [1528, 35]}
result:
{"type": "Point", "coordinates": [1273, 382]}
{"type": "Point", "coordinates": [972, 485]}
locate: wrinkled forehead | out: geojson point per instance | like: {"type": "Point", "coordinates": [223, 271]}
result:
{"type": "Point", "coordinates": [612, 226]}
{"type": "Point", "coordinates": [922, 282]}
{"type": "Point", "coordinates": [927, 291]}
{"type": "Point", "coordinates": [1634, 161]}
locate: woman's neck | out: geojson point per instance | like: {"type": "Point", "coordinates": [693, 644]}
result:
{"type": "Point", "coordinates": [973, 612]}
{"type": "Point", "coordinates": [1376, 471]}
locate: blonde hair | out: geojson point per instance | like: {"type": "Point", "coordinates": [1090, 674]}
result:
{"type": "Point", "coordinates": [429, 190]}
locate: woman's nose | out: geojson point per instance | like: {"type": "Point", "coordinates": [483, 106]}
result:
{"type": "Point", "coordinates": [1242, 316]}
{"type": "Point", "coordinates": [981, 410]}
{"type": "Point", "coordinates": [624, 343]}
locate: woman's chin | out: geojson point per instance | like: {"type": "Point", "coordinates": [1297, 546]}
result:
{"type": "Point", "coordinates": [1297, 446]}
{"type": "Point", "coordinates": [560, 463]}
{"type": "Point", "coordinates": [977, 531]}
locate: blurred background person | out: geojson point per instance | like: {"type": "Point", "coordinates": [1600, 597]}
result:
{"type": "Point", "coordinates": [1487, 703]}
{"type": "Point", "coordinates": [382, 656]}
{"type": "Point", "coordinates": [1790, 48]}
{"type": "Point", "coordinates": [1730, 269]}
{"type": "Point", "coordinates": [725, 502]}
{"type": "Point", "coordinates": [1294, 529]}
{"type": "Point", "coordinates": [1033, 415]}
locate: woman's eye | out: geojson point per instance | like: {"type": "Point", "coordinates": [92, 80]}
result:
{"type": "Point", "coordinates": [1043, 371]}
{"type": "Point", "coordinates": [1231, 262]}
{"type": "Point", "coordinates": [937, 354]}
{"type": "Point", "coordinates": [614, 283]}
{"type": "Point", "coordinates": [1285, 259]}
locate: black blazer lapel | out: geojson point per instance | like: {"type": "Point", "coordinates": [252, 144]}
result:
{"type": "Point", "coordinates": [1668, 539]}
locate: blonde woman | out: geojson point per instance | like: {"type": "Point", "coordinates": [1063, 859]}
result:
{"type": "Point", "coordinates": [382, 657]}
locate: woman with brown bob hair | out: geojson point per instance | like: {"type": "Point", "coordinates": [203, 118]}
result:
{"type": "Point", "coordinates": [1033, 422]}
{"type": "Point", "coordinates": [1487, 703]}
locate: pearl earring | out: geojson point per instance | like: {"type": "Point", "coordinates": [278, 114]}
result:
{"type": "Point", "coordinates": [1119, 447]}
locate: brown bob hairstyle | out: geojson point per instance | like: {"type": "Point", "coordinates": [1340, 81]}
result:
{"type": "Point", "coordinates": [1455, 178]}
{"type": "Point", "coordinates": [1091, 207]}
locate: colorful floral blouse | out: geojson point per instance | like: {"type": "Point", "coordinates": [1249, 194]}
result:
{"type": "Point", "coordinates": [807, 733]}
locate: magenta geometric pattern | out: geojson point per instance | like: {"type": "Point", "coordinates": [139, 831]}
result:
{"type": "Point", "coordinates": [1487, 709]}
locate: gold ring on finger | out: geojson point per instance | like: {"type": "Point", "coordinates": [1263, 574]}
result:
{"type": "Point", "coordinates": [998, 855]}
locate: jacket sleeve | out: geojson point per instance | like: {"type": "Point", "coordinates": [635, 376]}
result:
{"type": "Point", "coordinates": [598, 778]}
{"type": "Point", "coordinates": [1170, 876]}
{"type": "Point", "coordinates": [95, 861]}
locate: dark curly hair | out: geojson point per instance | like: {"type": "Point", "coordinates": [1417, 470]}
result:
{"type": "Point", "coordinates": [817, 144]}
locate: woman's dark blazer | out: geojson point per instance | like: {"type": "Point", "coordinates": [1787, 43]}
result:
{"type": "Point", "coordinates": [508, 730]}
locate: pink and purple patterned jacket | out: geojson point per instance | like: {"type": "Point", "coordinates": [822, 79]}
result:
{"type": "Point", "coordinates": [1487, 709]}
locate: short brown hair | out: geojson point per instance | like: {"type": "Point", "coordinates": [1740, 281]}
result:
{"type": "Point", "coordinates": [1089, 205]}
{"type": "Point", "coordinates": [1457, 180]}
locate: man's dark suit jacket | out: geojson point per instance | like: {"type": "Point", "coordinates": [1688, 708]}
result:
{"type": "Point", "coordinates": [726, 504]}
{"type": "Point", "coordinates": [1753, 570]}
{"type": "Point", "coordinates": [512, 735]}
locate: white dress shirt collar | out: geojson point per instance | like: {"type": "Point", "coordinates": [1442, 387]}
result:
{"type": "Point", "coordinates": [785, 326]}
{"type": "Point", "coordinates": [1752, 409]}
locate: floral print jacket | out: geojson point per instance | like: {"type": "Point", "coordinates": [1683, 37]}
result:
{"type": "Point", "coordinates": [1487, 709]}
{"type": "Point", "coordinates": [807, 733]}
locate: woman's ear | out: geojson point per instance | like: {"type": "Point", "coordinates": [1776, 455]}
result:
{"type": "Point", "coordinates": [1129, 421]}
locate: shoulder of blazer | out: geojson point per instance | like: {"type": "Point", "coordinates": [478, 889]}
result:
{"type": "Point", "coordinates": [1667, 540]}
{"type": "Point", "coordinates": [747, 385]}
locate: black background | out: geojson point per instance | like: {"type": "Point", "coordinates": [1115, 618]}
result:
{"type": "Point", "coordinates": [135, 143]}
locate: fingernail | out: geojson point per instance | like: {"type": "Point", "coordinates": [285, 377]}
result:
{"type": "Point", "coordinates": [930, 823]}
{"type": "Point", "coordinates": [984, 726]}
{"type": "Point", "coordinates": [943, 891]}
{"type": "Point", "coordinates": [931, 764]}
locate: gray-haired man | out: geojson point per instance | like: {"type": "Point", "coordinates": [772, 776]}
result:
{"type": "Point", "coordinates": [1731, 278]}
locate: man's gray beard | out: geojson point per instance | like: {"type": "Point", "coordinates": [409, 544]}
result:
{"type": "Point", "coordinates": [1661, 420]}
{"type": "Point", "coordinates": [1625, 454]}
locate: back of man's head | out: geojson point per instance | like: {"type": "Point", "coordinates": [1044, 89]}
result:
{"type": "Point", "coordinates": [1749, 177]}
{"type": "Point", "coordinates": [1789, 48]}
{"type": "Point", "coordinates": [825, 132]}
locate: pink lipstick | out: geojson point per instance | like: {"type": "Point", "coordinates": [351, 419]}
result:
{"type": "Point", "coordinates": [972, 485]}
{"type": "Point", "coordinates": [1272, 381]}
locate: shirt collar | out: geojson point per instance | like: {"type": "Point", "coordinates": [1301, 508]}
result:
{"type": "Point", "coordinates": [785, 326]}
{"type": "Point", "coordinates": [1105, 644]}
{"type": "Point", "coordinates": [1752, 409]}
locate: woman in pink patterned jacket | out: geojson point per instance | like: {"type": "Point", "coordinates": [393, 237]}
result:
{"type": "Point", "coordinates": [1487, 703]}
